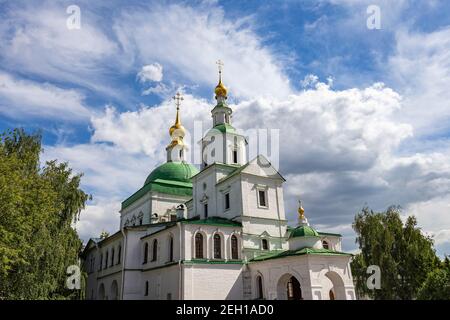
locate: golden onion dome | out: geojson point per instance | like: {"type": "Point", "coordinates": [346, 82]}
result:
{"type": "Point", "coordinates": [178, 127]}
{"type": "Point", "coordinates": [180, 130]}
{"type": "Point", "coordinates": [301, 211]}
{"type": "Point", "coordinates": [221, 90]}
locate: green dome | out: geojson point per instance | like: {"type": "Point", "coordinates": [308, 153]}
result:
{"type": "Point", "coordinates": [173, 171]}
{"type": "Point", "coordinates": [304, 231]}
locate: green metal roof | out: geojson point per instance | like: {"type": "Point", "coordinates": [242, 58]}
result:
{"type": "Point", "coordinates": [224, 128]}
{"type": "Point", "coordinates": [173, 171]}
{"type": "Point", "coordinates": [214, 221]}
{"type": "Point", "coordinates": [329, 234]}
{"type": "Point", "coordinates": [303, 231]}
{"type": "Point", "coordinates": [304, 251]}
{"type": "Point", "coordinates": [169, 178]}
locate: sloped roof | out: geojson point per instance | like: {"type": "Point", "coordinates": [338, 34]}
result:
{"type": "Point", "coordinates": [300, 252]}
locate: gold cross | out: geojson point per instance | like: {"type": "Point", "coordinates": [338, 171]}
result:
{"type": "Point", "coordinates": [178, 98]}
{"type": "Point", "coordinates": [220, 65]}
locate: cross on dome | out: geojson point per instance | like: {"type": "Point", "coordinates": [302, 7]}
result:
{"type": "Point", "coordinates": [178, 97]}
{"type": "Point", "coordinates": [177, 128]}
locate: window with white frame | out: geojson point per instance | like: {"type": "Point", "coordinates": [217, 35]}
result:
{"type": "Point", "coordinates": [262, 198]}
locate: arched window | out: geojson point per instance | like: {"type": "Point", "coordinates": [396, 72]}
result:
{"type": "Point", "coordinates": [106, 259]}
{"type": "Point", "coordinates": [259, 289]}
{"type": "Point", "coordinates": [171, 248]}
{"type": "Point", "coordinates": [234, 247]}
{"type": "Point", "coordinates": [199, 246]}
{"type": "Point", "coordinates": [265, 244]}
{"type": "Point", "coordinates": [145, 253]}
{"type": "Point", "coordinates": [325, 245]}
{"type": "Point", "coordinates": [217, 247]}
{"type": "Point", "coordinates": [155, 250]}
{"type": "Point", "coordinates": [119, 253]}
{"type": "Point", "coordinates": [112, 257]}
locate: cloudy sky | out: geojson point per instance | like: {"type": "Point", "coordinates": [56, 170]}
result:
{"type": "Point", "coordinates": [363, 114]}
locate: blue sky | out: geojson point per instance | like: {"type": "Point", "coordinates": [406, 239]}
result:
{"type": "Point", "coordinates": [365, 111]}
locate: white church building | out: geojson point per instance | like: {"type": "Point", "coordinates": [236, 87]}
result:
{"type": "Point", "coordinates": [215, 233]}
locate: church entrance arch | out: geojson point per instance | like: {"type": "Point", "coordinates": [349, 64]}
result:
{"type": "Point", "coordinates": [289, 288]}
{"type": "Point", "coordinates": [337, 291]}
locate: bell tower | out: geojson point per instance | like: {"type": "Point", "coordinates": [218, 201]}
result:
{"type": "Point", "coordinates": [222, 144]}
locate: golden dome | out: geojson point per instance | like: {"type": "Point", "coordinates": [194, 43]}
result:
{"type": "Point", "coordinates": [301, 211]}
{"type": "Point", "coordinates": [221, 90]}
{"type": "Point", "coordinates": [177, 126]}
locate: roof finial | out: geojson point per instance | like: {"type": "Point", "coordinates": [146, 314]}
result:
{"type": "Point", "coordinates": [221, 90]}
{"type": "Point", "coordinates": [301, 214]}
{"type": "Point", "coordinates": [177, 126]}
{"type": "Point", "coordinates": [220, 66]}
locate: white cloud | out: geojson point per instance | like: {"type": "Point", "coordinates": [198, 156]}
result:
{"type": "Point", "coordinates": [188, 41]}
{"type": "Point", "coordinates": [110, 175]}
{"type": "Point", "coordinates": [36, 40]}
{"type": "Point", "coordinates": [23, 98]}
{"type": "Point", "coordinates": [147, 130]}
{"type": "Point", "coordinates": [421, 68]}
{"type": "Point", "coordinates": [100, 215]}
{"type": "Point", "coordinates": [151, 72]}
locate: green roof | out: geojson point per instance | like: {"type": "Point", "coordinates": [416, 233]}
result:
{"type": "Point", "coordinates": [224, 128]}
{"type": "Point", "coordinates": [173, 171]}
{"type": "Point", "coordinates": [301, 252]}
{"type": "Point", "coordinates": [304, 231]}
{"type": "Point", "coordinates": [329, 234]}
{"type": "Point", "coordinates": [214, 221]}
{"type": "Point", "coordinates": [169, 178]}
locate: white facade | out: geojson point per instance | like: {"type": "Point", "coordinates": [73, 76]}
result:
{"type": "Point", "coordinates": [220, 234]}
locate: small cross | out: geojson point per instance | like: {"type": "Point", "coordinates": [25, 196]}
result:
{"type": "Point", "coordinates": [178, 98]}
{"type": "Point", "coordinates": [220, 65]}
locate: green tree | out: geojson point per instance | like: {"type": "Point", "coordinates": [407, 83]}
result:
{"type": "Point", "coordinates": [437, 283]}
{"type": "Point", "coordinates": [405, 256]}
{"type": "Point", "coordinates": [38, 206]}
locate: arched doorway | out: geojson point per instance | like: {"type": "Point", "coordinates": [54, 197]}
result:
{"type": "Point", "coordinates": [289, 288]}
{"type": "Point", "coordinates": [114, 291]}
{"type": "Point", "coordinates": [101, 292]}
{"type": "Point", "coordinates": [336, 289]}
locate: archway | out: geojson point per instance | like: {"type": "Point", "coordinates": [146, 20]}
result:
{"type": "Point", "coordinates": [289, 288]}
{"type": "Point", "coordinates": [101, 292]}
{"type": "Point", "coordinates": [337, 289]}
{"type": "Point", "coordinates": [114, 291]}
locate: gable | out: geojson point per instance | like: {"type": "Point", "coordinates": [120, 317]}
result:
{"type": "Point", "coordinates": [262, 167]}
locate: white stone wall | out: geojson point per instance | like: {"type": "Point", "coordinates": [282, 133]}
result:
{"type": "Point", "coordinates": [163, 283]}
{"type": "Point", "coordinates": [208, 178]}
{"type": "Point", "coordinates": [147, 205]}
{"type": "Point", "coordinates": [210, 281]}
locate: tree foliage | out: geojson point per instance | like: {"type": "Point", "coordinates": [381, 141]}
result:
{"type": "Point", "coordinates": [437, 283]}
{"type": "Point", "coordinates": [404, 255]}
{"type": "Point", "coordinates": [38, 206]}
